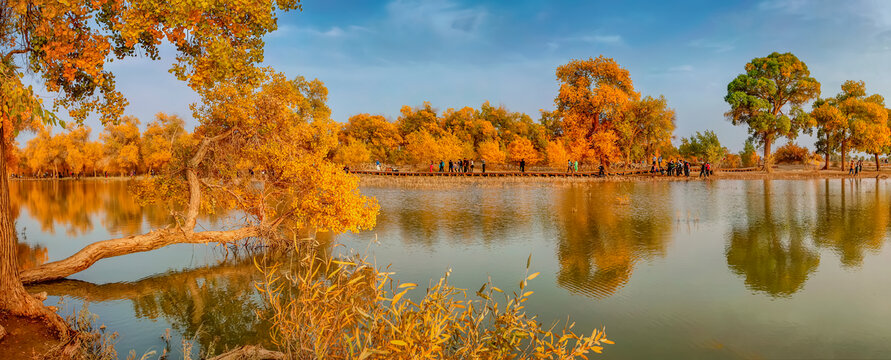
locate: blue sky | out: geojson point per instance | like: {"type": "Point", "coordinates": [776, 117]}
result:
{"type": "Point", "coordinates": [375, 56]}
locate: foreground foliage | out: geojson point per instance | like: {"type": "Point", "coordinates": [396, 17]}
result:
{"type": "Point", "coordinates": [322, 307]}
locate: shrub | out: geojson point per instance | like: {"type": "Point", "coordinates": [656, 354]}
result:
{"type": "Point", "coordinates": [791, 153]}
{"type": "Point", "coordinates": [731, 161]}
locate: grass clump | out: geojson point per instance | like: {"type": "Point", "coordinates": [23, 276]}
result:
{"type": "Point", "coordinates": [346, 309]}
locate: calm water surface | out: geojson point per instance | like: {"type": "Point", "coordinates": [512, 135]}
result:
{"type": "Point", "coordinates": [722, 269]}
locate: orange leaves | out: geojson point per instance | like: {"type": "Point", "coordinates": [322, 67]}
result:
{"type": "Point", "coordinates": [597, 100]}
{"type": "Point", "coordinates": [522, 149]}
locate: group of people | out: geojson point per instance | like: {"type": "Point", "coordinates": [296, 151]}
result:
{"type": "Point", "coordinates": [460, 165]}
{"type": "Point", "coordinates": [680, 167]}
{"type": "Point", "coordinates": [855, 168]}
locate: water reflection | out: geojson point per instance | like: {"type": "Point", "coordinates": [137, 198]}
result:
{"type": "Point", "coordinates": [852, 220]}
{"type": "Point", "coordinates": [602, 236]}
{"type": "Point", "coordinates": [769, 248]}
{"type": "Point", "coordinates": [674, 241]}
{"type": "Point", "coordinates": [215, 305]}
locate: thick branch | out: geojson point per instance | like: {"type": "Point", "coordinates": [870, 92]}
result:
{"type": "Point", "coordinates": [157, 239]}
{"type": "Point", "coordinates": [194, 183]}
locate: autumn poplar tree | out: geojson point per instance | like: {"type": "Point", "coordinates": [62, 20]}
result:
{"type": "Point", "coordinates": [644, 127]}
{"type": "Point", "coordinates": [158, 140]}
{"type": "Point", "coordinates": [593, 95]}
{"type": "Point", "coordinates": [852, 120]}
{"type": "Point", "coordinates": [66, 45]}
{"type": "Point", "coordinates": [768, 99]}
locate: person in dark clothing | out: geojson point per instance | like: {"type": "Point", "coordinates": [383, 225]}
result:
{"type": "Point", "coordinates": [523, 165]}
{"type": "Point", "coordinates": [687, 168]}
{"type": "Point", "coordinates": [484, 165]}
{"type": "Point", "coordinates": [600, 170]}
{"type": "Point", "coordinates": [441, 165]}
{"type": "Point", "coordinates": [451, 165]}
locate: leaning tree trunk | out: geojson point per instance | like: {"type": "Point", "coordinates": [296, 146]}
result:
{"type": "Point", "coordinates": [14, 299]}
{"type": "Point", "coordinates": [878, 167]}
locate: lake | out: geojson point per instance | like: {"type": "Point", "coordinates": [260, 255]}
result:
{"type": "Point", "coordinates": [685, 269]}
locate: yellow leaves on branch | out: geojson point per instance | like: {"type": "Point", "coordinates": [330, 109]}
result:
{"type": "Point", "coordinates": [522, 149]}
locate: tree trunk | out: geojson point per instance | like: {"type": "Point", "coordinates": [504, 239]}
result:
{"type": "Point", "coordinates": [826, 167]}
{"type": "Point", "coordinates": [14, 299]}
{"type": "Point", "coordinates": [844, 150]}
{"type": "Point", "coordinates": [878, 167]}
{"type": "Point", "coordinates": [157, 239]}
{"type": "Point", "coordinates": [767, 162]}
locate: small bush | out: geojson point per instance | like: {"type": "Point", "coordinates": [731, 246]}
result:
{"type": "Point", "coordinates": [791, 153]}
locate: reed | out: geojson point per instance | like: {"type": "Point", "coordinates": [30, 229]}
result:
{"type": "Point", "coordinates": [344, 308]}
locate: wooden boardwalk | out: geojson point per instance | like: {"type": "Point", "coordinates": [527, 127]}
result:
{"type": "Point", "coordinates": [528, 173]}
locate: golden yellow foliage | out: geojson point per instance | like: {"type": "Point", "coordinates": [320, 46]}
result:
{"type": "Point", "coordinates": [557, 156]}
{"type": "Point", "coordinates": [491, 152]}
{"type": "Point", "coordinates": [522, 149]}
{"type": "Point", "coordinates": [352, 152]}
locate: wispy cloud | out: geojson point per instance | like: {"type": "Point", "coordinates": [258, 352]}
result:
{"type": "Point", "coordinates": [329, 33]}
{"type": "Point", "coordinates": [443, 17]}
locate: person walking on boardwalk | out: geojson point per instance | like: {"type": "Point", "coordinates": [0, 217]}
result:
{"type": "Point", "coordinates": [576, 163]}
{"type": "Point", "coordinates": [377, 165]}
{"type": "Point", "coordinates": [851, 168]}
{"type": "Point", "coordinates": [522, 165]}
{"type": "Point", "coordinates": [441, 165]}
{"type": "Point", "coordinates": [471, 165]}
{"type": "Point", "coordinates": [484, 165]}
{"type": "Point", "coordinates": [451, 165]}
{"type": "Point", "coordinates": [601, 170]}
{"type": "Point", "coordinates": [568, 165]}
{"type": "Point", "coordinates": [431, 166]}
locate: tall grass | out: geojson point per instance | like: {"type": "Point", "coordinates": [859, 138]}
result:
{"type": "Point", "coordinates": [344, 308]}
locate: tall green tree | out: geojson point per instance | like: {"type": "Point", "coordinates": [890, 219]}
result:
{"type": "Point", "coordinates": [704, 146]}
{"type": "Point", "coordinates": [768, 99]}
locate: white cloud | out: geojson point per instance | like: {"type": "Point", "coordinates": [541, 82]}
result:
{"type": "Point", "coordinates": [443, 17]}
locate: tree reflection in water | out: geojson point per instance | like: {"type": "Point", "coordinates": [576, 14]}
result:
{"type": "Point", "coordinates": [775, 248]}
{"type": "Point", "coordinates": [852, 221]}
{"type": "Point", "coordinates": [602, 236]}
{"type": "Point", "coordinates": [216, 305]}
{"type": "Point", "coordinates": [770, 247]}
